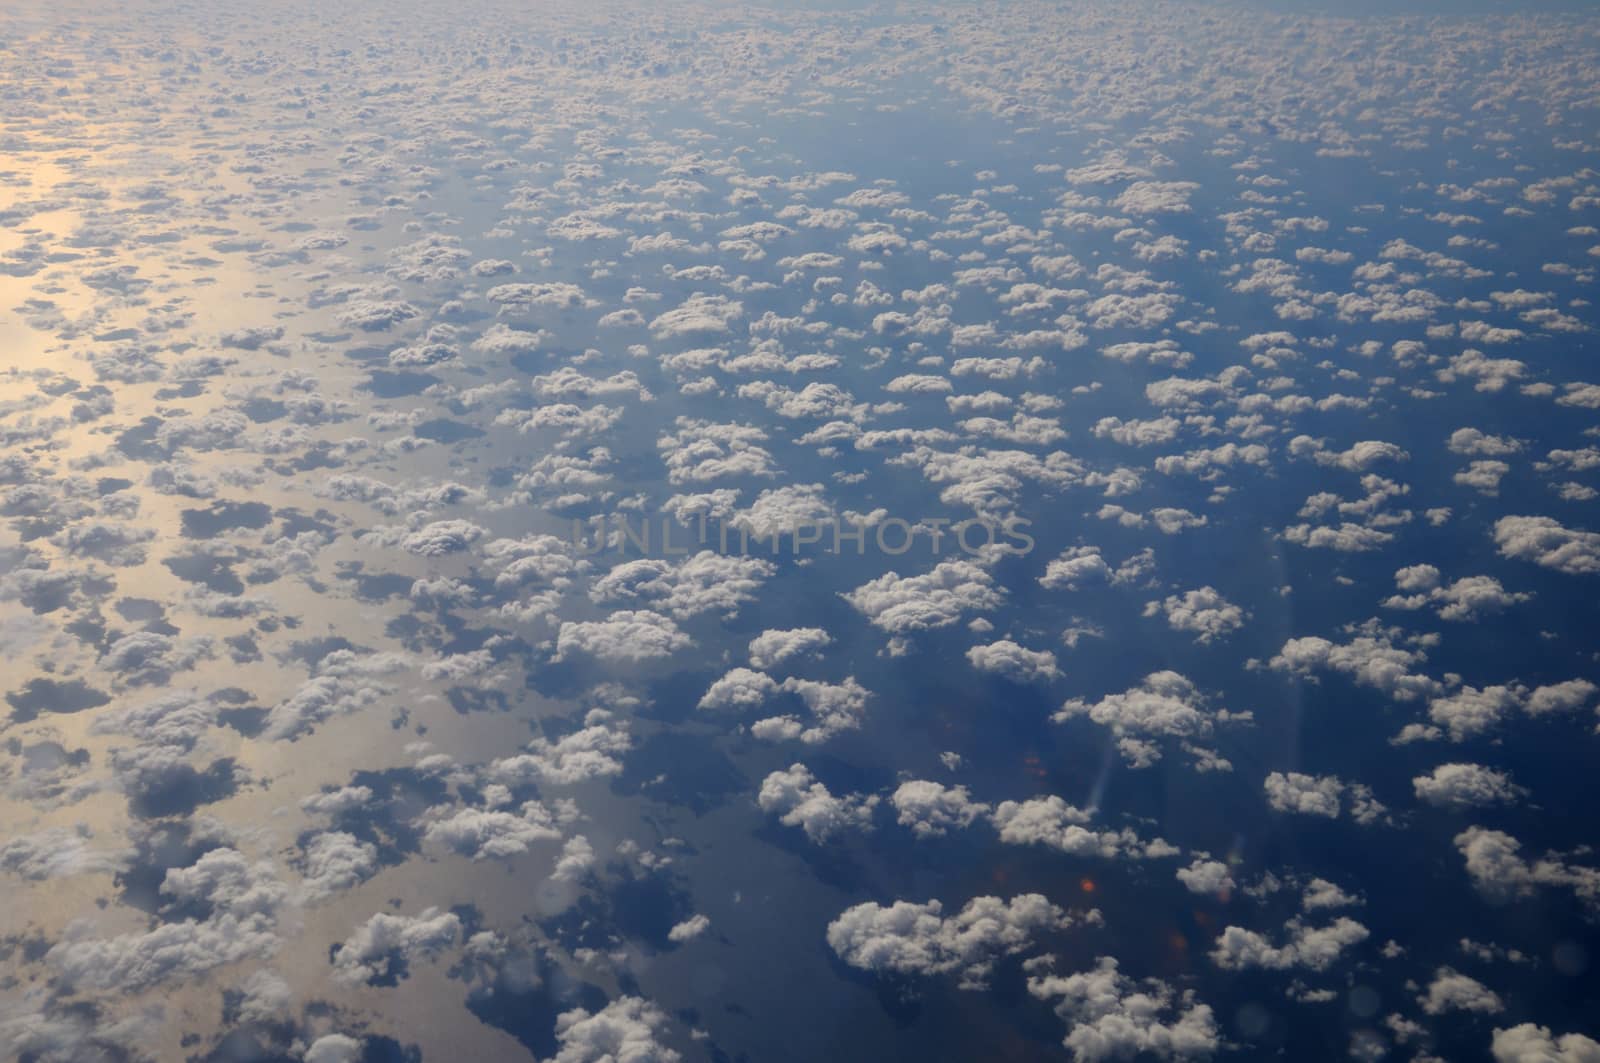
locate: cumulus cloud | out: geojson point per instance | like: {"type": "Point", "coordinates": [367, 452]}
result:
{"type": "Point", "coordinates": [1305, 946]}
{"type": "Point", "coordinates": [1321, 795]}
{"type": "Point", "coordinates": [382, 948]}
{"type": "Point", "coordinates": [903, 605]}
{"type": "Point", "coordinates": [1548, 543]}
{"type": "Point", "coordinates": [908, 938]}
{"type": "Point", "coordinates": [625, 637]}
{"type": "Point", "coordinates": [1164, 705]}
{"type": "Point", "coordinates": [1008, 659]}
{"type": "Point", "coordinates": [1459, 787]}
{"type": "Point", "coordinates": [1499, 871]}
{"type": "Point", "coordinates": [1204, 613]}
{"type": "Point", "coordinates": [931, 809]}
{"type": "Point", "coordinates": [772, 648]}
{"type": "Point", "coordinates": [799, 800]}
{"type": "Point", "coordinates": [628, 1028]}
{"type": "Point", "coordinates": [1111, 1016]}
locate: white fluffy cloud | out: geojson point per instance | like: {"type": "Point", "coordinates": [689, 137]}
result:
{"type": "Point", "coordinates": [1165, 705]}
{"type": "Point", "coordinates": [385, 943]}
{"type": "Point", "coordinates": [1110, 1016]}
{"type": "Point", "coordinates": [1546, 542]}
{"type": "Point", "coordinates": [1462, 786]}
{"type": "Point", "coordinates": [1313, 948]}
{"type": "Point", "coordinates": [799, 800]}
{"type": "Point", "coordinates": [932, 809]}
{"type": "Point", "coordinates": [1014, 662]}
{"type": "Point", "coordinates": [911, 938]}
{"type": "Point", "coordinates": [627, 1030]}
{"type": "Point", "coordinates": [1204, 613]}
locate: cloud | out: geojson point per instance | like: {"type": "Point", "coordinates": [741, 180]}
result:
{"type": "Point", "coordinates": [1110, 1016]}
{"type": "Point", "coordinates": [689, 929]}
{"type": "Point", "coordinates": [775, 647]}
{"type": "Point", "coordinates": [799, 800]}
{"type": "Point", "coordinates": [1313, 948]}
{"type": "Point", "coordinates": [60, 852]}
{"type": "Point", "coordinates": [1321, 795]}
{"type": "Point", "coordinates": [1206, 877]}
{"type": "Point", "coordinates": [1547, 543]}
{"type": "Point", "coordinates": [1459, 787]}
{"type": "Point", "coordinates": [382, 948]}
{"type": "Point", "coordinates": [1205, 613]}
{"type": "Point", "coordinates": [626, 1029]}
{"type": "Point", "coordinates": [625, 637]}
{"type": "Point", "coordinates": [1006, 658]}
{"type": "Point", "coordinates": [1499, 872]}
{"type": "Point", "coordinates": [902, 605]}
{"type": "Point", "coordinates": [1464, 600]}
{"type": "Point", "coordinates": [335, 861]}
{"type": "Point", "coordinates": [700, 314]}
{"type": "Point", "coordinates": [1530, 1043]}
{"type": "Point", "coordinates": [704, 582]}
{"type": "Point", "coordinates": [493, 834]}
{"type": "Point", "coordinates": [931, 809]}
{"type": "Point", "coordinates": [1370, 658]}
{"type": "Point", "coordinates": [918, 939]}
{"type": "Point", "coordinates": [1451, 990]}
{"type": "Point", "coordinates": [1164, 705]}
{"type": "Point", "coordinates": [1051, 822]}
{"type": "Point", "coordinates": [740, 690]}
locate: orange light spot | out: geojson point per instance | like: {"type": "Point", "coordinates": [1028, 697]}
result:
{"type": "Point", "coordinates": [1087, 885]}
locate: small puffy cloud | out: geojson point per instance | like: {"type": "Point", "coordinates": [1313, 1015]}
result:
{"type": "Point", "coordinates": [1462, 786]}
{"type": "Point", "coordinates": [1321, 795]}
{"type": "Point", "coordinates": [1530, 1043]}
{"type": "Point", "coordinates": [1306, 946]}
{"type": "Point", "coordinates": [1207, 877]}
{"type": "Point", "coordinates": [1451, 990]}
{"type": "Point", "coordinates": [1320, 894]}
{"type": "Point", "coordinates": [1464, 600]}
{"type": "Point", "coordinates": [1155, 197]}
{"type": "Point", "coordinates": [1370, 658]}
{"type": "Point", "coordinates": [1205, 613]}
{"type": "Point", "coordinates": [592, 752]}
{"type": "Point", "coordinates": [799, 800]}
{"type": "Point", "coordinates": [701, 451]}
{"type": "Point", "coordinates": [1567, 696]}
{"type": "Point", "coordinates": [834, 708]}
{"type": "Point", "coordinates": [1548, 543]}
{"type": "Point", "coordinates": [1470, 712]}
{"type": "Point", "coordinates": [705, 582]}
{"type": "Point", "coordinates": [902, 605]}
{"type": "Point", "coordinates": [1164, 705]}
{"type": "Point", "coordinates": [774, 647]}
{"type": "Point", "coordinates": [740, 690]}
{"type": "Point", "coordinates": [689, 929]}
{"type": "Point", "coordinates": [383, 946]}
{"type": "Point", "coordinates": [333, 1048]}
{"type": "Point", "coordinates": [1008, 659]}
{"type": "Point", "coordinates": [1074, 569]}
{"type": "Point", "coordinates": [1110, 1016]}
{"type": "Point", "coordinates": [700, 314]}
{"type": "Point", "coordinates": [494, 834]}
{"type": "Point", "coordinates": [931, 809]}
{"type": "Point", "coordinates": [918, 939]}
{"type": "Point", "coordinates": [60, 852]}
{"type": "Point", "coordinates": [627, 1030]}
{"type": "Point", "coordinates": [1498, 870]}
{"type": "Point", "coordinates": [1051, 822]}
{"type": "Point", "coordinates": [334, 862]}
{"type": "Point", "coordinates": [624, 637]}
